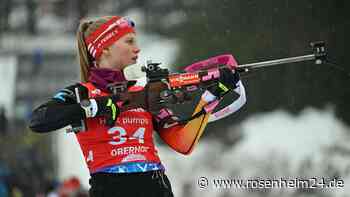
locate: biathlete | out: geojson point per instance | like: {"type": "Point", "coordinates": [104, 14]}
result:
{"type": "Point", "coordinates": [117, 145]}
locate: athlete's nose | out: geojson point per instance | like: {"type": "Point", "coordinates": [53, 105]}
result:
{"type": "Point", "coordinates": [137, 50]}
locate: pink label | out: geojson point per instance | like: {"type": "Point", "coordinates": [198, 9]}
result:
{"type": "Point", "coordinates": [213, 73]}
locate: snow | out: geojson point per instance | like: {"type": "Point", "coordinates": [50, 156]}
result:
{"type": "Point", "coordinates": [295, 136]}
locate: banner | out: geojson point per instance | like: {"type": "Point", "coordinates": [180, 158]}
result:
{"type": "Point", "coordinates": [8, 73]}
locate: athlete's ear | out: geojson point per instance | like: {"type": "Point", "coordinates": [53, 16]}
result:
{"type": "Point", "coordinates": [106, 52]}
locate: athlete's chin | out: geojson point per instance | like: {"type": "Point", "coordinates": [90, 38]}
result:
{"type": "Point", "coordinates": [130, 63]}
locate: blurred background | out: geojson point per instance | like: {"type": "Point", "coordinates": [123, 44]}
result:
{"type": "Point", "coordinates": [295, 123]}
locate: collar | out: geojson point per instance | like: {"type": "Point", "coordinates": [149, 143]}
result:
{"type": "Point", "coordinates": [101, 77]}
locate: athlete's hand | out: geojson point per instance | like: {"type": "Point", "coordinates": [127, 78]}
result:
{"type": "Point", "coordinates": [102, 106]}
{"type": "Point", "coordinates": [229, 77]}
{"type": "Point", "coordinates": [227, 81]}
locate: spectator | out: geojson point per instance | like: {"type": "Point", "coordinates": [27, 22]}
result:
{"type": "Point", "coordinates": [71, 188]}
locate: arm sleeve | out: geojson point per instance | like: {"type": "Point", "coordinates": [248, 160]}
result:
{"type": "Point", "coordinates": [59, 111]}
{"type": "Point", "coordinates": [234, 106]}
{"type": "Point", "coordinates": [183, 138]}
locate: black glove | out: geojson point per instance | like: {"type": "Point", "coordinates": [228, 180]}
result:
{"type": "Point", "coordinates": [102, 106]}
{"type": "Point", "coordinates": [227, 82]}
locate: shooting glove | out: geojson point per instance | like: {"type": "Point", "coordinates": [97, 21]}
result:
{"type": "Point", "coordinates": [102, 106]}
{"type": "Point", "coordinates": [227, 81]}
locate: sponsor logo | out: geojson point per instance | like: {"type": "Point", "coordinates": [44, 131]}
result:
{"type": "Point", "coordinates": [129, 150]}
{"type": "Point", "coordinates": [132, 121]}
{"type": "Point", "coordinates": [212, 74]}
{"type": "Point", "coordinates": [102, 121]}
{"type": "Point", "coordinates": [222, 112]}
{"type": "Point", "coordinates": [183, 79]}
{"type": "Point", "coordinates": [107, 38]}
{"type": "Point", "coordinates": [134, 157]}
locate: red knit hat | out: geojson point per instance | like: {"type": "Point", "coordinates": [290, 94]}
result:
{"type": "Point", "coordinates": [108, 33]}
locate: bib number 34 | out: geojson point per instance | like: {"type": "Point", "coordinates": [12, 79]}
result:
{"type": "Point", "coordinates": [120, 135]}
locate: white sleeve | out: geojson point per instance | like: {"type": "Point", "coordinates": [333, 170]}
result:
{"type": "Point", "coordinates": [233, 107]}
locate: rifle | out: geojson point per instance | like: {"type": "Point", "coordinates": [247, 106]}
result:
{"type": "Point", "coordinates": [164, 88]}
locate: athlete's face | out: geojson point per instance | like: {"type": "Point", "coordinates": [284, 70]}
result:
{"type": "Point", "coordinates": [123, 52]}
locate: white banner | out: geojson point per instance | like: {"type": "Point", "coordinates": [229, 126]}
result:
{"type": "Point", "coordinates": [8, 73]}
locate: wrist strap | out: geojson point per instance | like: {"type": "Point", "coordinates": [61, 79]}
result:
{"type": "Point", "coordinates": [91, 110]}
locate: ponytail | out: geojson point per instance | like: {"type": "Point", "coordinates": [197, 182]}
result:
{"type": "Point", "coordinates": [85, 59]}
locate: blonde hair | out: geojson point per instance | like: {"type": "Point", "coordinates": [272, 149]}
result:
{"type": "Point", "coordinates": [86, 27]}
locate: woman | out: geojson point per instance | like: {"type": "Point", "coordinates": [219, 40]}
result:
{"type": "Point", "coordinates": [118, 146]}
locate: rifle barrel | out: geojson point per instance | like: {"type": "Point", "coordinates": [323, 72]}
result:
{"type": "Point", "coordinates": [246, 67]}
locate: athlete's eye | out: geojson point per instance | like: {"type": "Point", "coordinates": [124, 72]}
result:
{"type": "Point", "coordinates": [130, 41]}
